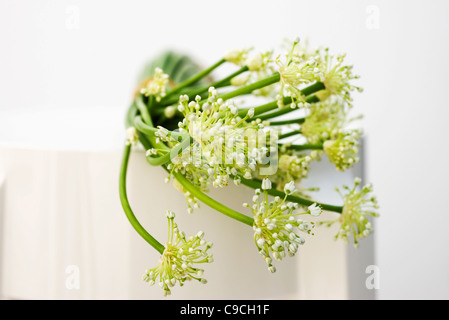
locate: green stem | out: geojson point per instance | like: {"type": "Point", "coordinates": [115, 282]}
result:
{"type": "Point", "coordinates": [255, 184]}
{"type": "Point", "coordinates": [211, 202]}
{"type": "Point", "coordinates": [196, 77]}
{"type": "Point", "coordinates": [275, 77]}
{"type": "Point", "coordinates": [286, 122]}
{"type": "Point", "coordinates": [306, 146]}
{"type": "Point", "coordinates": [311, 99]}
{"type": "Point", "coordinates": [289, 134]}
{"type": "Point", "coordinates": [202, 91]}
{"type": "Point", "coordinates": [265, 107]}
{"type": "Point", "coordinates": [227, 81]}
{"type": "Point", "coordinates": [146, 128]}
{"type": "Point", "coordinates": [317, 86]}
{"type": "Point", "coordinates": [149, 131]}
{"type": "Point", "coordinates": [127, 208]}
{"type": "Point", "coordinates": [143, 109]}
{"type": "Point", "coordinates": [130, 114]}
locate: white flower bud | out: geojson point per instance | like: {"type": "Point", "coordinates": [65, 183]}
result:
{"type": "Point", "coordinates": [255, 62]}
{"type": "Point", "coordinates": [200, 234]}
{"type": "Point", "coordinates": [240, 80]}
{"type": "Point", "coordinates": [169, 112]}
{"type": "Point", "coordinates": [314, 210]}
{"type": "Point", "coordinates": [290, 187]}
{"type": "Point", "coordinates": [266, 184]}
{"type": "Point", "coordinates": [170, 214]}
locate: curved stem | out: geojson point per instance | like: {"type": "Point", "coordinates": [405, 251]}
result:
{"type": "Point", "coordinates": [143, 109]}
{"type": "Point", "coordinates": [254, 184]}
{"type": "Point", "coordinates": [127, 208]}
{"type": "Point", "coordinates": [275, 114]}
{"type": "Point", "coordinates": [211, 202]}
{"type": "Point", "coordinates": [130, 114]}
{"type": "Point", "coordinates": [149, 131]}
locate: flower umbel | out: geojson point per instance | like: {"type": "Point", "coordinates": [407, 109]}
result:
{"type": "Point", "coordinates": [176, 264]}
{"type": "Point", "coordinates": [336, 75]}
{"type": "Point", "coordinates": [237, 56]}
{"type": "Point", "coordinates": [294, 72]}
{"type": "Point", "coordinates": [358, 207]}
{"type": "Point", "coordinates": [343, 150]}
{"type": "Point", "coordinates": [325, 120]}
{"type": "Point", "coordinates": [157, 85]}
{"type": "Point", "coordinates": [224, 144]}
{"type": "Point", "coordinates": [275, 224]}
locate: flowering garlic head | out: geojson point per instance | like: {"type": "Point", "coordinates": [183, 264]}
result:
{"type": "Point", "coordinates": [292, 167]}
{"type": "Point", "coordinates": [260, 66]}
{"type": "Point", "coordinates": [157, 85]}
{"type": "Point", "coordinates": [305, 66]}
{"type": "Point", "coordinates": [224, 144]}
{"type": "Point", "coordinates": [295, 71]}
{"type": "Point", "coordinates": [276, 225]}
{"type": "Point", "coordinates": [237, 56]}
{"type": "Point", "coordinates": [336, 75]}
{"type": "Point", "coordinates": [358, 206]}
{"type": "Point", "coordinates": [177, 263]}
{"type": "Point", "coordinates": [324, 121]}
{"type": "Point", "coordinates": [343, 149]}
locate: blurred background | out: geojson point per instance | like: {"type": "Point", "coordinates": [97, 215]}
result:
{"type": "Point", "coordinates": [61, 57]}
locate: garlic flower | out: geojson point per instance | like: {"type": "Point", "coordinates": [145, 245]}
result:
{"type": "Point", "coordinates": [157, 85]}
{"type": "Point", "coordinates": [181, 254]}
{"type": "Point", "coordinates": [276, 225]}
{"type": "Point", "coordinates": [343, 149]}
{"type": "Point", "coordinates": [358, 206]}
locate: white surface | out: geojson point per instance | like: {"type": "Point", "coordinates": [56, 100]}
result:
{"type": "Point", "coordinates": [82, 129]}
{"type": "Point", "coordinates": [404, 66]}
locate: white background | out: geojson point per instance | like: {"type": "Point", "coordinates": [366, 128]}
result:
{"type": "Point", "coordinates": [49, 59]}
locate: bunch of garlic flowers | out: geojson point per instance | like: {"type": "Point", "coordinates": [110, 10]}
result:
{"type": "Point", "coordinates": [210, 136]}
